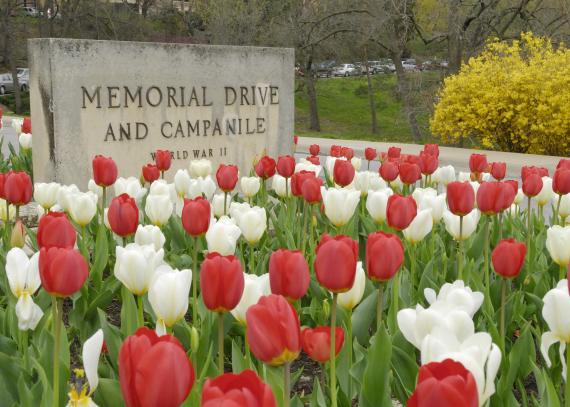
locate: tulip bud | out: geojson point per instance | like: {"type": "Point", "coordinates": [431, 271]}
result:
{"type": "Point", "coordinates": [221, 282]}
{"type": "Point", "coordinates": [18, 237]}
{"type": "Point", "coordinates": [158, 208]}
{"type": "Point", "coordinates": [343, 173]}
{"type": "Point", "coordinates": [265, 168]}
{"type": "Point", "coordinates": [194, 340]}
{"type": "Point", "coordinates": [200, 168]}
{"type": "Point", "coordinates": [384, 256]}
{"type": "Point", "coordinates": [340, 204]}
{"type": "Point", "coordinates": [314, 149]}
{"type": "Point", "coordinates": [250, 186]}
{"type": "Point", "coordinates": [558, 244]}
{"type": "Point", "coordinates": [150, 173]}
{"type": "Point", "coordinates": [104, 171]}
{"type": "Point", "coordinates": [18, 188]}
{"type": "Point", "coordinates": [400, 211]}
{"type": "Point", "coordinates": [289, 274]}
{"type": "Point", "coordinates": [163, 160]}
{"type": "Point", "coordinates": [222, 236]}
{"type": "Point", "coordinates": [317, 342]}
{"type": "Point", "coordinates": [45, 194]}
{"type": "Point", "coordinates": [335, 262]}
{"type": "Point", "coordinates": [508, 258]}
{"type": "Point", "coordinates": [238, 390]}
{"type": "Point", "coordinates": [326, 308]}
{"type": "Point", "coordinates": [460, 197]}
{"type": "Point", "coordinates": [25, 140]}
{"type": "Point", "coordinates": [350, 299]}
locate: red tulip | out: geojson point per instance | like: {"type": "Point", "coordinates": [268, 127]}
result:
{"type": "Point", "coordinates": [150, 173]}
{"type": "Point", "coordinates": [527, 170]}
{"type": "Point", "coordinates": [295, 140]}
{"type": "Point", "coordinates": [347, 153]}
{"type": "Point", "coordinates": [237, 390]}
{"type": "Point", "coordinates": [460, 197]}
{"type": "Point", "coordinates": [221, 282]}
{"type": "Point", "coordinates": [410, 158]}
{"type": "Point", "coordinates": [432, 149]}
{"type": "Point", "coordinates": [55, 230]}
{"type": "Point", "coordinates": [384, 255]}
{"type": "Point", "coordinates": [316, 342]}
{"type": "Point", "coordinates": [314, 149]}
{"type": "Point", "coordinates": [298, 179]}
{"type": "Point", "coordinates": [163, 159]}
{"type": "Point", "coordinates": [370, 153]}
{"type": "Point", "coordinates": [394, 152]}
{"type": "Point", "coordinates": [514, 185]}
{"type": "Point", "coordinates": [196, 216]}
{"type": "Point", "coordinates": [532, 184]}
{"type": "Point", "coordinates": [289, 274]}
{"type": "Point", "coordinates": [410, 173]}
{"type": "Point", "coordinates": [498, 170]}
{"type": "Point", "coordinates": [343, 172]}
{"type": "Point", "coordinates": [62, 271]}
{"type": "Point", "coordinates": [445, 384]}
{"type": "Point", "coordinates": [104, 171]}
{"type": "Point", "coordinates": [494, 197]}
{"type": "Point", "coordinates": [154, 370]}
{"type": "Point", "coordinates": [428, 163]}
{"type": "Point", "coordinates": [123, 215]}
{"type": "Point", "coordinates": [265, 167]}
{"type": "Point", "coordinates": [561, 181]}
{"type": "Point", "coordinates": [273, 330]}
{"type": "Point", "coordinates": [508, 257]}
{"type": "Point", "coordinates": [18, 188]}
{"type": "Point", "coordinates": [478, 163]}
{"type": "Point", "coordinates": [335, 151]}
{"type": "Point", "coordinates": [313, 159]}
{"type": "Point", "coordinates": [286, 166]}
{"type": "Point", "coordinates": [389, 171]}
{"type": "Point", "coordinates": [311, 190]}
{"type": "Point", "coordinates": [335, 263]}
{"type": "Point", "coordinates": [3, 177]}
{"type": "Point", "coordinates": [227, 177]}
{"type": "Point", "coordinates": [563, 163]}
{"type": "Point", "coordinates": [27, 125]}
{"type": "Point", "coordinates": [400, 211]}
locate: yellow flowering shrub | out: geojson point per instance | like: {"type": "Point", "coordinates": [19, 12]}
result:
{"type": "Point", "coordinates": [514, 97]}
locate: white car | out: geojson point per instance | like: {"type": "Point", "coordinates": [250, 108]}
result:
{"type": "Point", "coordinates": [345, 70]}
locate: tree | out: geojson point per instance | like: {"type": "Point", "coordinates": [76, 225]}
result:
{"type": "Point", "coordinates": [7, 9]}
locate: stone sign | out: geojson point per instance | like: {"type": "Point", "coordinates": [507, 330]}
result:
{"type": "Point", "coordinates": [128, 99]}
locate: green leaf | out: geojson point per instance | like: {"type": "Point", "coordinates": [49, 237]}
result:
{"type": "Point", "coordinates": [129, 322]}
{"type": "Point", "coordinates": [376, 388]}
{"type": "Point", "coordinates": [108, 393]}
{"type": "Point", "coordinates": [101, 255]}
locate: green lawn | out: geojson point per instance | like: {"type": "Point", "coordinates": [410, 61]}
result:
{"type": "Point", "coordinates": [344, 108]}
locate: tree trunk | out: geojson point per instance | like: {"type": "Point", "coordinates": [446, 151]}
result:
{"type": "Point", "coordinates": [371, 100]}
{"type": "Point", "coordinates": [9, 55]}
{"type": "Point", "coordinates": [406, 98]}
{"type": "Point", "coordinates": [312, 94]}
{"type": "Point", "coordinates": [454, 37]}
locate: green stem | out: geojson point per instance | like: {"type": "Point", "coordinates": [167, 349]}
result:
{"type": "Point", "coordinates": [486, 258]}
{"type": "Point", "coordinates": [562, 272]}
{"type": "Point", "coordinates": [162, 174]}
{"type": "Point", "coordinates": [56, 311]}
{"type": "Point", "coordinates": [17, 214]}
{"type": "Point", "coordinates": [304, 230]}
{"type": "Point", "coordinates": [286, 383]}
{"type": "Point", "coordinates": [25, 349]}
{"type": "Point", "coordinates": [195, 282]}
{"type": "Point", "coordinates": [379, 305]}
{"type": "Point", "coordinates": [557, 211]}
{"type": "Point", "coordinates": [567, 391]}
{"type": "Point", "coordinates": [103, 203]}
{"type": "Point", "coordinates": [140, 315]}
{"type": "Point", "coordinates": [225, 202]}
{"type": "Point", "coordinates": [349, 344]}
{"type": "Point", "coordinates": [413, 268]}
{"type": "Point", "coordinates": [500, 219]}
{"type": "Point", "coordinates": [460, 250]}
{"type": "Point", "coordinates": [286, 188]}
{"type": "Point", "coordinates": [503, 303]}
{"type": "Point", "coordinates": [251, 259]}
{"type": "Point", "coordinates": [528, 228]}
{"type": "Point", "coordinates": [333, 353]}
{"type": "Point", "coordinates": [220, 343]}
{"type": "Point", "coordinates": [395, 292]}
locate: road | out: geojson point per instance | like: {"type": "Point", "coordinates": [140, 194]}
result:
{"type": "Point", "coordinates": [9, 136]}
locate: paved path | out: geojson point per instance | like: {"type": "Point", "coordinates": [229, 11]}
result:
{"type": "Point", "coordinates": [9, 136]}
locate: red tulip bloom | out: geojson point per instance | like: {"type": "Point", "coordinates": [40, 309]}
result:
{"type": "Point", "coordinates": [163, 159]}
{"type": "Point", "coordinates": [221, 282]}
{"type": "Point", "coordinates": [514, 184]}
{"type": "Point", "coordinates": [508, 258]}
{"type": "Point", "coordinates": [314, 149]}
{"type": "Point", "coordinates": [347, 153]}
{"type": "Point", "coordinates": [428, 163]}
{"type": "Point", "coordinates": [273, 330]}
{"type": "Point", "coordinates": [245, 389]}
{"type": "Point", "coordinates": [494, 197]}
{"type": "Point", "coordinates": [343, 173]}
{"type": "Point", "coordinates": [286, 166]}
{"type": "Point", "coordinates": [62, 271]}
{"type": "Point", "coordinates": [389, 171]}
{"type": "Point", "coordinates": [370, 153]}
{"type": "Point", "coordinates": [154, 370]}
{"type": "Point", "coordinates": [411, 159]}
{"type": "Point", "coordinates": [18, 188]}
{"type": "Point", "coordinates": [3, 177]}
{"type": "Point", "coordinates": [498, 170]}
{"type": "Point", "coordinates": [532, 184]}
{"type": "Point", "coordinates": [55, 230]}
{"type": "Point", "coordinates": [311, 190]}
{"type": "Point", "coordinates": [394, 152]}
{"type": "Point", "coordinates": [335, 263]}
{"type": "Point", "coordinates": [295, 140]}
{"type": "Point", "coordinates": [27, 125]}
{"type": "Point", "coordinates": [478, 163]}
{"type": "Point", "coordinates": [563, 163]}
{"type": "Point", "coordinates": [316, 342]}
{"type": "Point", "coordinates": [227, 177]}
{"type": "Point", "coordinates": [265, 167]}
{"type": "Point", "coordinates": [196, 216]}
{"type": "Point", "coordinates": [335, 151]}
{"type": "Point", "coordinates": [460, 197]}
{"type": "Point", "coordinates": [123, 215]}
{"type": "Point", "coordinates": [410, 173]}
{"type": "Point", "coordinates": [561, 181]}
{"type": "Point", "coordinates": [527, 170]}
{"type": "Point", "coordinates": [400, 211]}
{"type": "Point", "coordinates": [104, 171]}
{"type": "Point", "coordinates": [384, 255]}
{"type": "Point", "coordinates": [298, 179]}
{"type": "Point", "coordinates": [313, 159]}
{"type": "Point", "coordinates": [432, 149]}
{"type": "Point", "coordinates": [289, 274]}
{"type": "Point", "coordinates": [150, 173]}
{"type": "Point", "coordinates": [445, 384]}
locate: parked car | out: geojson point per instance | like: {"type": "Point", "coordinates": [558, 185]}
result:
{"type": "Point", "coordinates": [409, 65]}
{"type": "Point", "coordinates": [346, 70]}
{"type": "Point", "coordinates": [6, 83]}
{"type": "Point", "coordinates": [30, 11]}
{"type": "Point", "coordinates": [24, 80]}
{"type": "Point", "coordinates": [324, 69]}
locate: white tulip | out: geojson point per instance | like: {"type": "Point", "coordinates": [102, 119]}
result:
{"type": "Point", "coordinates": [64, 195]}
{"type": "Point", "coordinates": [200, 168]}
{"type": "Point", "coordinates": [304, 165]}
{"type": "Point", "coordinates": [40, 211]}
{"type": "Point", "coordinates": [159, 187]}
{"type": "Point", "coordinates": [3, 215]}
{"type": "Point", "coordinates": [356, 163]}
{"type": "Point", "coordinates": [254, 288]}
{"type": "Point", "coordinates": [150, 234]}
{"type": "Point", "coordinates": [444, 175]}
{"type": "Point", "coordinates": [519, 197]}
{"type": "Point", "coordinates": [329, 165]}
{"type": "Point", "coordinates": [351, 298]}
{"type": "Point", "coordinates": [17, 125]}
{"type": "Point", "coordinates": [135, 266]}
{"type": "Point", "coordinates": [218, 205]}
{"type": "Point", "coordinates": [564, 210]}
{"type": "Point", "coordinates": [82, 207]}
{"type": "Point", "coordinates": [546, 193]}
{"type": "Point", "coordinates": [237, 208]}
{"type": "Point", "coordinates": [130, 186]}
{"type": "Point", "coordinates": [486, 176]}
{"type": "Point", "coordinates": [469, 224]}
{"type": "Point", "coordinates": [45, 194]}
{"type": "Point", "coordinates": [376, 204]}
{"type": "Point", "coordinates": [250, 186]}
{"type": "Point", "coordinates": [464, 176]}
{"type": "Point", "coordinates": [458, 294]}
{"type": "Point", "coordinates": [106, 218]}
{"type": "Point", "coordinates": [555, 313]}
{"type": "Point", "coordinates": [96, 189]}
{"type": "Point", "coordinates": [207, 186]}
{"type": "Point", "coordinates": [158, 208]}
{"type": "Point", "coordinates": [222, 236]}
{"type": "Point", "coordinates": [558, 244]}
{"type": "Point", "coordinates": [427, 198]}
{"type": "Point", "coordinates": [182, 182]}
{"type": "Point", "coordinates": [340, 204]}
{"type": "Point", "coordinates": [420, 226]}
{"type": "Point", "coordinates": [28, 312]}
{"type": "Point", "coordinates": [281, 185]}
{"type": "Point", "coordinates": [252, 222]}
{"type": "Point", "coordinates": [168, 296]}
{"type": "Point", "coordinates": [25, 140]}
{"type": "Point", "coordinates": [365, 181]}
{"type": "Point", "coordinates": [91, 352]}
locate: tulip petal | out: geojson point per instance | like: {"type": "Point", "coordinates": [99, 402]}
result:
{"type": "Point", "coordinates": [547, 340]}
{"type": "Point", "coordinates": [91, 352]}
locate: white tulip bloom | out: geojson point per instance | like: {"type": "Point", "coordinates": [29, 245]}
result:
{"type": "Point", "coordinates": [91, 352]}
{"type": "Point", "coordinates": [207, 186]}
{"type": "Point", "coordinates": [168, 295]}
{"type": "Point", "coordinates": [464, 176]}
{"type": "Point", "coordinates": [351, 298]}
{"type": "Point", "coordinates": [200, 168]}
{"type": "Point", "coordinates": [82, 207]}
{"type": "Point", "coordinates": [46, 194]}
{"type": "Point", "coordinates": [281, 185]}
{"type": "Point", "coordinates": [252, 222]}
{"type": "Point", "coordinates": [135, 266]}
{"type": "Point", "coordinates": [564, 210]}
{"type": "Point", "coordinates": [365, 181]}
{"type": "Point", "coordinates": [182, 183]}
{"type": "Point", "coordinates": [376, 204]}
{"type": "Point", "coordinates": [3, 215]}
{"type": "Point", "coordinates": [546, 193]}
{"type": "Point", "coordinates": [555, 313]}
{"type": "Point", "coordinates": [254, 288]}
{"type": "Point", "coordinates": [457, 294]}
{"type": "Point", "coordinates": [64, 195]}
{"type": "Point", "coordinates": [420, 226]}
{"type": "Point", "coordinates": [96, 189]}
{"type": "Point", "coordinates": [340, 204]}
{"type": "Point", "coordinates": [218, 205]}
{"type": "Point", "coordinates": [250, 186]}
{"type": "Point", "coordinates": [158, 208]}
{"type": "Point", "coordinates": [558, 244]}
{"type": "Point", "coordinates": [519, 197]}
{"type": "Point", "coordinates": [159, 187]}
{"type": "Point", "coordinates": [25, 140]}
{"type": "Point", "coordinates": [237, 208]}
{"type": "Point", "coordinates": [329, 165]}
{"type": "Point", "coordinates": [130, 186]}
{"type": "Point", "coordinates": [356, 163]}
{"type": "Point", "coordinates": [444, 175]}
{"type": "Point", "coordinates": [28, 313]}
{"type": "Point", "coordinates": [304, 165]}
{"type": "Point", "coordinates": [150, 235]}
{"type": "Point", "coordinates": [222, 236]}
{"type": "Point", "coordinates": [427, 198]}
{"type": "Point", "coordinates": [469, 224]}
